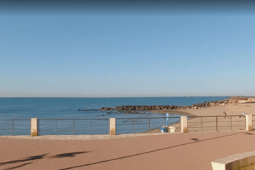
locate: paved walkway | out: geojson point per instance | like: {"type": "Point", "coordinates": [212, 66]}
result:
{"type": "Point", "coordinates": [193, 151]}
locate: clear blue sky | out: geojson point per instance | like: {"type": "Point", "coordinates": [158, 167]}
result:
{"type": "Point", "coordinates": [126, 55]}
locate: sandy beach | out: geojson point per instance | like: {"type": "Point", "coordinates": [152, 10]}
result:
{"type": "Point", "coordinates": [178, 151]}
{"type": "Point", "coordinates": [230, 109]}
{"type": "Point", "coordinates": [232, 121]}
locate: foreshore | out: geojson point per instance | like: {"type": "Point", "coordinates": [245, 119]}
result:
{"type": "Point", "coordinates": [232, 109]}
{"type": "Point", "coordinates": [174, 112]}
{"type": "Point", "coordinates": [231, 106]}
{"type": "Point", "coordinates": [232, 121]}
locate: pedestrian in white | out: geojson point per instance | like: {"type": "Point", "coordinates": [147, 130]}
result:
{"type": "Point", "coordinates": [242, 114]}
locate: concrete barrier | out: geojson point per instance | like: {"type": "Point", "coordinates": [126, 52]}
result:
{"type": "Point", "coordinates": [112, 126]}
{"type": "Point", "coordinates": [248, 123]}
{"type": "Point", "coordinates": [34, 127]}
{"type": "Point", "coordinates": [242, 161]}
{"type": "Point", "coordinates": [171, 129]}
{"type": "Point", "coordinates": [184, 124]}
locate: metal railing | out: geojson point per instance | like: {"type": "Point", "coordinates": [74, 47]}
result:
{"type": "Point", "coordinates": [123, 125]}
{"type": "Point", "coordinates": [73, 126]}
{"type": "Point", "coordinates": [216, 123]}
{"type": "Point", "coordinates": [14, 127]}
{"type": "Point", "coordinates": [143, 125]}
{"type": "Point", "coordinates": [253, 121]}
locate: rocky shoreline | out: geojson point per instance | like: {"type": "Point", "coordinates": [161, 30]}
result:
{"type": "Point", "coordinates": [139, 108]}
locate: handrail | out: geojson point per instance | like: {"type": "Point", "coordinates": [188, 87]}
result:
{"type": "Point", "coordinates": [74, 119]}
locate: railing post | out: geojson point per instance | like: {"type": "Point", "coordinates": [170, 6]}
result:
{"type": "Point", "coordinates": [56, 127]}
{"type": "Point", "coordinates": [91, 126]}
{"type": "Point", "coordinates": [13, 127]}
{"type": "Point", "coordinates": [184, 124]}
{"type": "Point", "coordinates": [149, 123]}
{"type": "Point", "coordinates": [217, 123]}
{"type": "Point", "coordinates": [231, 123]}
{"type": "Point", "coordinates": [202, 124]}
{"type": "Point", "coordinates": [112, 126]}
{"type": "Point", "coordinates": [73, 127]}
{"type": "Point", "coordinates": [132, 126]}
{"type": "Point", "coordinates": [34, 127]}
{"type": "Point", "coordinates": [248, 123]}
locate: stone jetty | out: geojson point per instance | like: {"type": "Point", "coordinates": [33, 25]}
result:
{"type": "Point", "coordinates": [138, 108]}
{"type": "Point", "coordinates": [165, 107]}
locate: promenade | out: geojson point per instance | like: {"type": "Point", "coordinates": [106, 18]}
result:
{"type": "Point", "coordinates": [193, 151]}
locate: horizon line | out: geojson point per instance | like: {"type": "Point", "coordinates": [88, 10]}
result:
{"type": "Point", "coordinates": [130, 97]}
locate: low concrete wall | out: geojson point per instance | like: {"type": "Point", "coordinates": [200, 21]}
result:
{"type": "Point", "coordinates": [248, 124]}
{"type": "Point", "coordinates": [184, 124]}
{"type": "Point", "coordinates": [242, 161]}
{"type": "Point", "coordinates": [112, 126]}
{"type": "Point", "coordinates": [34, 127]}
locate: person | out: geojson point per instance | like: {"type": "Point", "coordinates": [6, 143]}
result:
{"type": "Point", "coordinates": [225, 114]}
{"type": "Point", "coordinates": [164, 109]}
{"type": "Point", "coordinates": [242, 114]}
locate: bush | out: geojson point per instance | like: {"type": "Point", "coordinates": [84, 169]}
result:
{"type": "Point", "coordinates": [185, 130]}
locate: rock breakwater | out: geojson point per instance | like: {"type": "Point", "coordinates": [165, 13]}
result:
{"type": "Point", "coordinates": [165, 107]}
{"type": "Point", "coordinates": [138, 108]}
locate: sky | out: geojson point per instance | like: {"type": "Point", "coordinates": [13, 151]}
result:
{"type": "Point", "coordinates": [127, 49]}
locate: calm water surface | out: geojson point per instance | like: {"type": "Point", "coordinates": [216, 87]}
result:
{"type": "Point", "coordinates": [67, 108]}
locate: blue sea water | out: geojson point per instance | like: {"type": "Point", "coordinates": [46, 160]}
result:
{"type": "Point", "coordinates": [67, 108]}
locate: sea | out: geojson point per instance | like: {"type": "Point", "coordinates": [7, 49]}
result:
{"type": "Point", "coordinates": [56, 115]}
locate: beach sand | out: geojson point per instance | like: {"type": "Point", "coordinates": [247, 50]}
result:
{"type": "Point", "coordinates": [232, 121]}
{"type": "Point", "coordinates": [230, 109]}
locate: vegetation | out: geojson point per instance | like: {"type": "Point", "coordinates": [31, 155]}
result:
{"type": "Point", "coordinates": [185, 130]}
{"type": "Point", "coordinates": [250, 128]}
{"type": "Point", "coordinates": [34, 134]}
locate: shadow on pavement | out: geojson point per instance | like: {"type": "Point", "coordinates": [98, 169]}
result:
{"type": "Point", "coordinates": [71, 154]}
{"type": "Point", "coordinates": [18, 166]}
{"type": "Point", "coordinates": [31, 158]}
{"type": "Point", "coordinates": [194, 139]}
{"type": "Point", "coordinates": [37, 157]}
